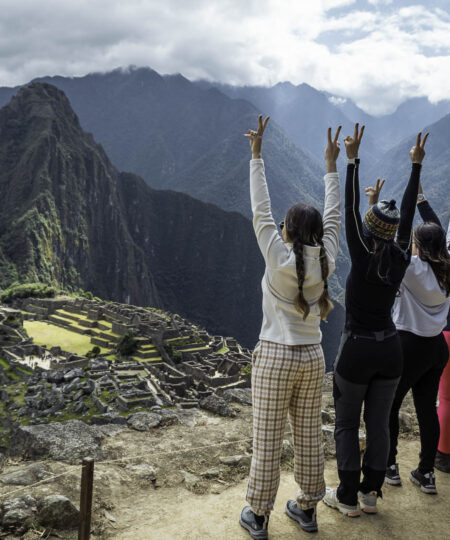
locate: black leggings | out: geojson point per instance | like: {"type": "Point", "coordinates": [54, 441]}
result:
{"type": "Point", "coordinates": [366, 371]}
{"type": "Point", "coordinates": [424, 361]}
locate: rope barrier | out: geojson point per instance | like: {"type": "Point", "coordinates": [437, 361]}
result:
{"type": "Point", "coordinates": [50, 478]}
{"type": "Point", "coordinates": [165, 453]}
{"type": "Point", "coordinates": [127, 458]}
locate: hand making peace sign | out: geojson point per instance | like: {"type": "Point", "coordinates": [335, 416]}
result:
{"type": "Point", "coordinates": [417, 153]}
{"type": "Point", "coordinates": [352, 143]}
{"type": "Point", "coordinates": [255, 137]}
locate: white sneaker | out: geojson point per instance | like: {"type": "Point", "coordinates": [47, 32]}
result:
{"type": "Point", "coordinates": [331, 500]}
{"type": "Point", "coordinates": [368, 502]}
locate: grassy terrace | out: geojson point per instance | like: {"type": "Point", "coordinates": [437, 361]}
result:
{"type": "Point", "coordinates": [51, 335]}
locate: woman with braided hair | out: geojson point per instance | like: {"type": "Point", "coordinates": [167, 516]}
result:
{"type": "Point", "coordinates": [369, 362]}
{"type": "Point", "coordinates": [288, 363]}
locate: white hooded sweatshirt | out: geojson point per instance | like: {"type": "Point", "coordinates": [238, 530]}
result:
{"type": "Point", "coordinates": [422, 306]}
{"type": "Point", "coordinates": [282, 323]}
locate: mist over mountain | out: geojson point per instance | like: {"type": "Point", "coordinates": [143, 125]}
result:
{"type": "Point", "coordinates": [179, 136]}
{"type": "Point", "coordinates": [305, 113]}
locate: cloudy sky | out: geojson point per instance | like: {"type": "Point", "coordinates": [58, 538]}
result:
{"type": "Point", "coordinates": [378, 52]}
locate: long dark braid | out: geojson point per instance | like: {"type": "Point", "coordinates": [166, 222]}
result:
{"type": "Point", "coordinates": [304, 226]}
{"type": "Point", "coordinates": [300, 302]}
{"type": "Point", "coordinates": [325, 303]}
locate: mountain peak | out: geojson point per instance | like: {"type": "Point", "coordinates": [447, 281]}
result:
{"type": "Point", "coordinates": [44, 101]}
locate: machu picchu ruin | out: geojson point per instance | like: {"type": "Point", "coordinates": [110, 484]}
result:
{"type": "Point", "coordinates": [73, 358]}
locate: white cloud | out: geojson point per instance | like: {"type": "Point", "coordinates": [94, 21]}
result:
{"type": "Point", "coordinates": [372, 54]}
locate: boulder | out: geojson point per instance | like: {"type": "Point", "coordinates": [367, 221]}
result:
{"type": "Point", "coordinates": [143, 471]}
{"type": "Point", "coordinates": [63, 441]}
{"type": "Point", "coordinates": [217, 405]}
{"type": "Point", "coordinates": [214, 472]}
{"type": "Point", "coordinates": [58, 512]}
{"type": "Point", "coordinates": [26, 476]}
{"type": "Point", "coordinates": [55, 376]}
{"type": "Point", "coordinates": [73, 374]}
{"type": "Point", "coordinates": [185, 417]}
{"type": "Point", "coordinates": [406, 422]}
{"type": "Point", "coordinates": [194, 483]}
{"type": "Point", "coordinates": [238, 395]}
{"type": "Point", "coordinates": [18, 512]}
{"type": "Point", "coordinates": [235, 461]}
{"type": "Point", "coordinates": [327, 417]}
{"type": "Point", "coordinates": [143, 421]}
{"type": "Point", "coordinates": [287, 451]}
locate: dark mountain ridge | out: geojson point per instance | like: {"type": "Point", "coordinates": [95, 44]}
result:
{"type": "Point", "coordinates": [67, 216]}
{"type": "Point", "coordinates": [179, 136]}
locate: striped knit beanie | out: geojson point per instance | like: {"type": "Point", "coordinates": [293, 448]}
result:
{"type": "Point", "coordinates": [382, 220]}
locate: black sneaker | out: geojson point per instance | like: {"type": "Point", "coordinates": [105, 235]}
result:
{"type": "Point", "coordinates": [442, 462]}
{"type": "Point", "coordinates": [427, 481]}
{"type": "Point", "coordinates": [305, 518]}
{"type": "Point", "coordinates": [255, 525]}
{"type": "Point", "coordinates": [392, 475]}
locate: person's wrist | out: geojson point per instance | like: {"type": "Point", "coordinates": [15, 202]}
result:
{"type": "Point", "coordinates": [331, 166]}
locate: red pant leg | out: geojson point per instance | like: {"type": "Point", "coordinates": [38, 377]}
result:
{"type": "Point", "coordinates": [444, 406]}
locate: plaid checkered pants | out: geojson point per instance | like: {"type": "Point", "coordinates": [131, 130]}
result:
{"type": "Point", "coordinates": [286, 379]}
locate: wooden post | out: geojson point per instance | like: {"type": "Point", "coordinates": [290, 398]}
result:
{"type": "Point", "coordinates": [87, 482]}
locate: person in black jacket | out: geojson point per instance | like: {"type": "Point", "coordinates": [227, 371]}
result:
{"type": "Point", "coordinates": [369, 361]}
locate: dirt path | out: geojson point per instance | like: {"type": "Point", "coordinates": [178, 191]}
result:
{"type": "Point", "coordinates": [177, 514]}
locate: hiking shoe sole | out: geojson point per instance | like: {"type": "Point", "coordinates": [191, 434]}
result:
{"type": "Point", "coordinates": [428, 491]}
{"type": "Point", "coordinates": [257, 535]}
{"type": "Point", "coordinates": [393, 481]}
{"type": "Point", "coordinates": [365, 507]}
{"type": "Point", "coordinates": [310, 527]}
{"type": "Point", "coordinates": [343, 509]}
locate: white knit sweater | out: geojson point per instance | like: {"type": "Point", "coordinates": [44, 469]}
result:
{"type": "Point", "coordinates": [282, 323]}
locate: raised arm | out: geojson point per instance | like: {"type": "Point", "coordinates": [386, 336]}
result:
{"type": "Point", "coordinates": [425, 210]}
{"type": "Point", "coordinates": [270, 243]}
{"type": "Point", "coordinates": [353, 222]}
{"type": "Point", "coordinates": [332, 205]}
{"type": "Point", "coordinates": [409, 200]}
{"type": "Point", "coordinates": [448, 236]}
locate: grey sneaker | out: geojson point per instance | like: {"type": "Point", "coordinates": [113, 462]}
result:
{"type": "Point", "coordinates": [426, 482]}
{"type": "Point", "coordinates": [255, 525]}
{"type": "Point", "coordinates": [368, 502]}
{"type": "Point", "coordinates": [331, 500]}
{"type": "Point", "coordinates": [305, 518]}
{"type": "Point", "coordinates": [392, 475]}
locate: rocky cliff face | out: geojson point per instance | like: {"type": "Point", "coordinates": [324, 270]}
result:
{"type": "Point", "coordinates": [68, 216]}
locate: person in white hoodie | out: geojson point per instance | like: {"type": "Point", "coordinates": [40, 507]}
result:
{"type": "Point", "coordinates": [288, 362]}
{"type": "Point", "coordinates": [420, 315]}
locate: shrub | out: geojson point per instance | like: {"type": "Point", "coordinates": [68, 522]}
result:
{"type": "Point", "coordinates": [26, 290]}
{"type": "Point", "coordinates": [127, 345]}
{"type": "Point", "coordinates": [94, 352]}
{"type": "Point", "coordinates": [246, 371]}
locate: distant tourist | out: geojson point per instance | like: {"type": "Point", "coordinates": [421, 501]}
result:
{"type": "Point", "coordinates": [369, 361]}
{"type": "Point", "coordinates": [420, 315]}
{"type": "Point", "coordinates": [288, 362]}
{"type": "Point", "coordinates": [442, 462]}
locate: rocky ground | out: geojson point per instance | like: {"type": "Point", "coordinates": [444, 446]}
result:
{"type": "Point", "coordinates": [179, 475]}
